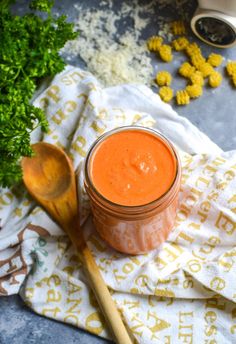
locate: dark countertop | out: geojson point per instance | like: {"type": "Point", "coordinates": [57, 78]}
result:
{"type": "Point", "coordinates": [214, 113]}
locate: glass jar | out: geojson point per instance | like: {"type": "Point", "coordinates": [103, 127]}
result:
{"type": "Point", "coordinates": [134, 229]}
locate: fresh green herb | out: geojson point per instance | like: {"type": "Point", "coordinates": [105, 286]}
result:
{"type": "Point", "coordinates": [42, 5]}
{"type": "Point", "coordinates": [29, 51]}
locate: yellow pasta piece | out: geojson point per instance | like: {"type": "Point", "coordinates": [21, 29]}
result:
{"type": "Point", "coordinates": [178, 27]}
{"type": "Point", "coordinates": [193, 49]}
{"type": "Point", "coordinates": [163, 78]}
{"type": "Point", "coordinates": [194, 91]}
{"type": "Point", "coordinates": [231, 68]}
{"type": "Point", "coordinates": [215, 59]}
{"type": "Point", "coordinates": [197, 78]}
{"type": "Point", "coordinates": [206, 69]}
{"type": "Point", "coordinates": [215, 79]}
{"type": "Point", "coordinates": [180, 43]}
{"type": "Point", "coordinates": [234, 79]}
{"type": "Point", "coordinates": [166, 93]}
{"type": "Point", "coordinates": [165, 52]}
{"type": "Point", "coordinates": [154, 43]}
{"type": "Point", "coordinates": [197, 60]}
{"type": "Point", "coordinates": [186, 70]}
{"type": "Point", "coordinates": [182, 97]}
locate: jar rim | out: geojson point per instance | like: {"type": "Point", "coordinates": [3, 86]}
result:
{"type": "Point", "coordinates": [153, 204]}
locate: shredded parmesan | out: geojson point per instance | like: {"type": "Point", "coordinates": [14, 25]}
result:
{"type": "Point", "coordinates": [114, 58]}
{"type": "Point", "coordinates": [111, 41]}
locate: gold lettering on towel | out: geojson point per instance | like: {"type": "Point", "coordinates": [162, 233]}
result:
{"type": "Point", "coordinates": [53, 296]}
{"type": "Point", "coordinates": [217, 283]}
{"type": "Point", "coordinates": [225, 223]}
{"type": "Point", "coordinates": [53, 92]}
{"type": "Point", "coordinates": [100, 130]}
{"type": "Point", "coordinates": [94, 323]}
{"type": "Point", "coordinates": [60, 115]}
{"type": "Point", "coordinates": [79, 145]}
{"type": "Point", "coordinates": [185, 327]}
{"type": "Point", "coordinates": [52, 311]}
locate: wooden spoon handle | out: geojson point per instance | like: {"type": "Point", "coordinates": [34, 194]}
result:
{"type": "Point", "coordinates": [104, 298]}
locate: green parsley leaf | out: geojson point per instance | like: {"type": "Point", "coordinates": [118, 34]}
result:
{"type": "Point", "coordinates": [29, 51]}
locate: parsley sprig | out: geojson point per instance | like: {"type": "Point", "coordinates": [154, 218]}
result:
{"type": "Point", "coordinates": [29, 51]}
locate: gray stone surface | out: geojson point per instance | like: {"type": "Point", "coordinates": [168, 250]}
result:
{"type": "Point", "coordinates": [19, 325]}
{"type": "Point", "coordinates": [214, 113]}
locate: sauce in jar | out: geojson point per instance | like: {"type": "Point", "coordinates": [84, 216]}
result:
{"type": "Point", "coordinates": [132, 176]}
{"type": "Point", "coordinates": [132, 168]}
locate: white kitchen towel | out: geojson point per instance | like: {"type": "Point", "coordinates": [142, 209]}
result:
{"type": "Point", "coordinates": [183, 292]}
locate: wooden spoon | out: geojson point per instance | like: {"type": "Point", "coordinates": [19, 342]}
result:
{"type": "Point", "coordinates": [50, 179]}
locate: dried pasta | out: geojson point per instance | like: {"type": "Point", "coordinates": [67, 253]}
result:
{"type": "Point", "coordinates": [197, 60]}
{"type": "Point", "coordinates": [215, 79]}
{"type": "Point", "coordinates": [196, 70]}
{"type": "Point", "coordinates": [178, 27]}
{"type": "Point", "coordinates": [182, 97]}
{"type": "Point", "coordinates": [180, 43]}
{"type": "Point", "coordinates": [154, 43]}
{"type": "Point", "coordinates": [186, 70]}
{"type": "Point", "coordinates": [197, 78]}
{"type": "Point", "coordinates": [166, 93]}
{"type": "Point", "coordinates": [194, 91]}
{"type": "Point", "coordinates": [165, 52]}
{"type": "Point", "coordinates": [231, 68]}
{"type": "Point", "coordinates": [163, 78]}
{"type": "Point", "coordinates": [215, 59]}
{"type": "Point", "coordinates": [206, 69]}
{"type": "Point", "coordinates": [193, 49]}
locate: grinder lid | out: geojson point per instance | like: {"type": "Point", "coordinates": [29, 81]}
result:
{"type": "Point", "coordinates": [214, 28]}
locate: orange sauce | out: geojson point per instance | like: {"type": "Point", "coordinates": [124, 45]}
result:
{"type": "Point", "coordinates": [132, 168]}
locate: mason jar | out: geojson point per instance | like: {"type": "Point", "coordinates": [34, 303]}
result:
{"type": "Point", "coordinates": [134, 229]}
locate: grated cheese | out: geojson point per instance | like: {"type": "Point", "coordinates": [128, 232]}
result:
{"type": "Point", "coordinates": [114, 52]}
{"type": "Point", "coordinates": [113, 58]}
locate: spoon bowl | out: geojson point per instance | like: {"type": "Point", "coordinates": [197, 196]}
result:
{"type": "Point", "coordinates": [48, 173]}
